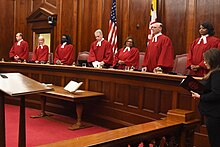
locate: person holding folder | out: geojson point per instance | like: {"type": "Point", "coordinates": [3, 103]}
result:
{"type": "Point", "coordinates": [209, 100]}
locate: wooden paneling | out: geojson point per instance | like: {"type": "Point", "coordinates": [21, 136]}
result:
{"type": "Point", "coordinates": [6, 27]}
{"type": "Point", "coordinates": [165, 101]}
{"type": "Point", "coordinates": [134, 94]}
{"type": "Point", "coordinates": [173, 16]}
{"type": "Point", "coordinates": [138, 21]}
{"type": "Point", "coordinates": [208, 12]}
{"type": "Point", "coordinates": [149, 99]}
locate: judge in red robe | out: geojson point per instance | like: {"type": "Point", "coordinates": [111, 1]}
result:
{"type": "Point", "coordinates": [100, 50]}
{"type": "Point", "coordinates": [127, 56]}
{"type": "Point", "coordinates": [159, 52]}
{"type": "Point", "coordinates": [40, 54]}
{"type": "Point", "coordinates": [65, 52]}
{"type": "Point", "coordinates": [195, 61]}
{"type": "Point", "coordinates": [19, 51]}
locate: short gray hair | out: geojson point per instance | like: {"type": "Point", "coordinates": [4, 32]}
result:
{"type": "Point", "coordinates": [98, 31]}
{"type": "Point", "coordinates": [41, 37]}
{"type": "Point", "coordinates": [20, 34]}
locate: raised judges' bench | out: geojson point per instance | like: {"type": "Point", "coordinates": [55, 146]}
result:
{"type": "Point", "coordinates": [130, 97]}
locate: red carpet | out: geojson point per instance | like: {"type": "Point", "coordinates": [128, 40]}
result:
{"type": "Point", "coordinates": [42, 131]}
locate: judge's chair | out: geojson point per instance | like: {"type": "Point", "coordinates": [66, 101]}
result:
{"type": "Point", "coordinates": [141, 59]}
{"type": "Point", "coordinates": [30, 55]}
{"type": "Point", "coordinates": [82, 57]}
{"type": "Point", "coordinates": [180, 64]}
{"type": "Point", "coordinates": [50, 57]}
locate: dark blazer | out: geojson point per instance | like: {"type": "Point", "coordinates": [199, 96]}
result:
{"type": "Point", "coordinates": [209, 104]}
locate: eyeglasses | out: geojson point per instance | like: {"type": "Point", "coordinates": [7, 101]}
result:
{"type": "Point", "coordinates": [130, 41]}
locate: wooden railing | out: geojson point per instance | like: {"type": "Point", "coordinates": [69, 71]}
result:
{"type": "Point", "coordinates": [177, 129]}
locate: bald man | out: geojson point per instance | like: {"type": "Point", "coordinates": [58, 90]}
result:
{"type": "Point", "coordinates": [100, 50]}
{"type": "Point", "coordinates": [159, 52]}
{"type": "Point", "coordinates": [40, 54]}
{"type": "Point", "coordinates": [19, 51]}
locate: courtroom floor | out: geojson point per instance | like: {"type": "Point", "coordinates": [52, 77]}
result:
{"type": "Point", "coordinates": [42, 131]}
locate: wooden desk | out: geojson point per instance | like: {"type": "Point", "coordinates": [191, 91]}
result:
{"type": "Point", "coordinates": [17, 85]}
{"type": "Point", "coordinates": [79, 97]}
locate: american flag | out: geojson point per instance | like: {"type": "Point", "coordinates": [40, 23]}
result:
{"type": "Point", "coordinates": [112, 34]}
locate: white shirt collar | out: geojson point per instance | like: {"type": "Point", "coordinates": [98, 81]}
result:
{"type": "Point", "coordinates": [40, 46]}
{"type": "Point", "coordinates": [155, 38]}
{"type": "Point", "coordinates": [127, 49]}
{"type": "Point", "coordinates": [63, 45]}
{"type": "Point", "coordinates": [19, 42]}
{"type": "Point", "coordinates": [99, 43]}
{"type": "Point", "coordinates": [203, 38]}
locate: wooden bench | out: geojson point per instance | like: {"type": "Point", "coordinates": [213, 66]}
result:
{"type": "Point", "coordinates": [79, 97]}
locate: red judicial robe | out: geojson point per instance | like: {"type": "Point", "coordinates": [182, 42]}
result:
{"type": "Point", "coordinates": [159, 54]}
{"type": "Point", "coordinates": [131, 58]}
{"type": "Point", "coordinates": [101, 53]}
{"type": "Point", "coordinates": [41, 53]}
{"type": "Point", "coordinates": [195, 55]}
{"type": "Point", "coordinates": [20, 50]}
{"type": "Point", "coordinates": [66, 55]}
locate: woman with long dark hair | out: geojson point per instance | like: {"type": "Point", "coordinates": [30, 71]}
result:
{"type": "Point", "coordinates": [206, 41]}
{"type": "Point", "coordinates": [209, 101]}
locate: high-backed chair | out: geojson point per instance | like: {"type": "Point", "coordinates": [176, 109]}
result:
{"type": "Point", "coordinates": [50, 58]}
{"type": "Point", "coordinates": [30, 55]}
{"type": "Point", "coordinates": [180, 64]}
{"type": "Point", "coordinates": [82, 56]}
{"type": "Point", "coordinates": [141, 59]}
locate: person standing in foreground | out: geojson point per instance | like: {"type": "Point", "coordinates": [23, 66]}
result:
{"type": "Point", "coordinates": [100, 50]}
{"type": "Point", "coordinates": [195, 62]}
{"type": "Point", "coordinates": [209, 101]}
{"type": "Point", "coordinates": [159, 52]}
{"type": "Point", "coordinates": [19, 51]}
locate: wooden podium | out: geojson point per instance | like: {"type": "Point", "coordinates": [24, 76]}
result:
{"type": "Point", "coordinates": [17, 85]}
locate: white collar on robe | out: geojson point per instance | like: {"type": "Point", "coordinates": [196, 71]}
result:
{"type": "Point", "coordinates": [40, 46]}
{"type": "Point", "coordinates": [203, 38]}
{"type": "Point", "coordinates": [19, 42]}
{"type": "Point", "coordinates": [99, 43]}
{"type": "Point", "coordinates": [127, 49]}
{"type": "Point", "coordinates": [155, 38]}
{"type": "Point", "coordinates": [63, 45]}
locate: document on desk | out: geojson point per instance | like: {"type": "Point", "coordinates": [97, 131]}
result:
{"type": "Point", "coordinates": [73, 86]}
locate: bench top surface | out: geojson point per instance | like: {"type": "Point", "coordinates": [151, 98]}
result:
{"type": "Point", "coordinates": [61, 93]}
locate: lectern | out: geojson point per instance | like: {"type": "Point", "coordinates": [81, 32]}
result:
{"type": "Point", "coordinates": [17, 85]}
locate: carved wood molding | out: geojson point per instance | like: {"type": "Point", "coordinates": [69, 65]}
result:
{"type": "Point", "coordinates": [41, 14]}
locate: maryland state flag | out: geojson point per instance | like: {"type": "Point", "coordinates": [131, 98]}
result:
{"type": "Point", "coordinates": [153, 18]}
